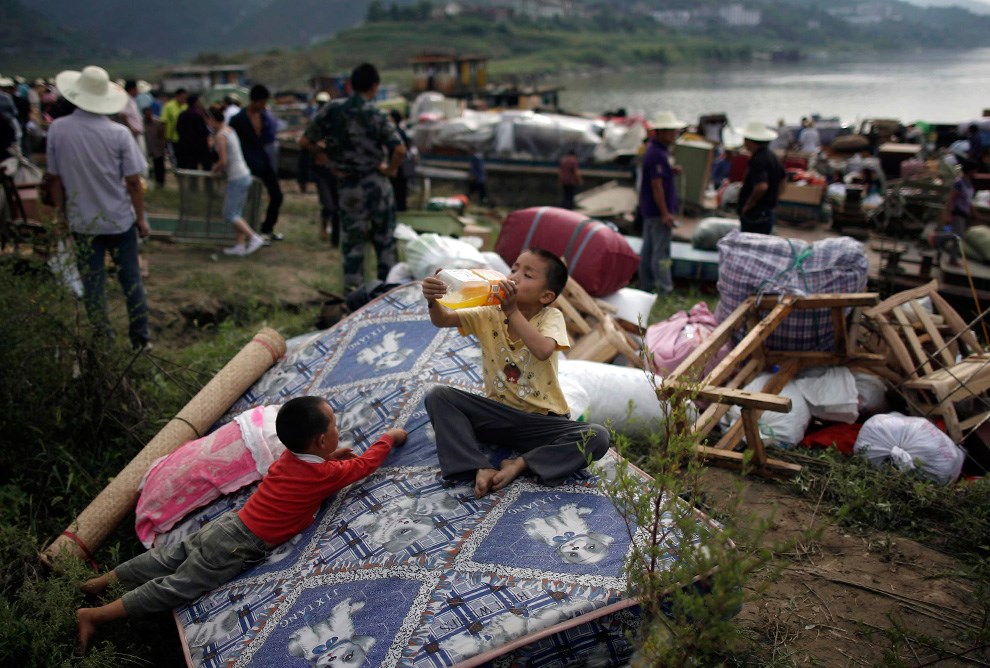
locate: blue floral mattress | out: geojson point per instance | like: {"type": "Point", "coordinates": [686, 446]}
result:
{"type": "Point", "coordinates": [403, 568]}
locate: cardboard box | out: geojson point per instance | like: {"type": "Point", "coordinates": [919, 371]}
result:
{"type": "Point", "coordinates": [795, 194]}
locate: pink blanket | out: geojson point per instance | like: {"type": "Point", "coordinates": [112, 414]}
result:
{"type": "Point", "coordinates": [672, 340]}
{"type": "Point", "coordinates": [198, 472]}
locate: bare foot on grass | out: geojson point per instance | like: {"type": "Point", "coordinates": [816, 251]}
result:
{"type": "Point", "coordinates": [483, 482]}
{"type": "Point", "coordinates": [98, 585]}
{"type": "Point", "coordinates": [511, 469]}
{"type": "Point", "coordinates": [87, 628]}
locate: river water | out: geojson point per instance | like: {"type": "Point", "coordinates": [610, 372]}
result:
{"type": "Point", "coordinates": [931, 86]}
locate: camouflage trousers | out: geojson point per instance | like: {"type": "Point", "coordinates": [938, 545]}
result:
{"type": "Point", "coordinates": [367, 213]}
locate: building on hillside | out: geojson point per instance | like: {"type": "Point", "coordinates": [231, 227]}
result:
{"type": "Point", "coordinates": [451, 75]}
{"type": "Point", "coordinates": [675, 18]}
{"type": "Point", "coordinates": [737, 15]}
{"type": "Point", "coordinates": [201, 78]}
{"type": "Point", "coordinates": [544, 9]}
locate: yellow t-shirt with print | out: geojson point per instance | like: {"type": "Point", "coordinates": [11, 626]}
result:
{"type": "Point", "coordinates": [513, 375]}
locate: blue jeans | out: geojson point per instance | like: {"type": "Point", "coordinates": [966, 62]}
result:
{"type": "Point", "coordinates": [654, 257]}
{"type": "Point", "coordinates": [235, 198]}
{"type": "Point", "coordinates": [91, 252]}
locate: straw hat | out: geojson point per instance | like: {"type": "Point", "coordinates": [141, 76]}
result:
{"type": "Point", "coordinates": [756, 131]}
{"type": "Point", "coordinates": [6, 82]}
{"type": "Point", "coordinates": [323, 96]}
{"type": "Point", "coordinates": [143, 87]}
{"type": "Point", "coordinates": [91, 90]}
{"type": "Point", "coordinates": [666, 120]}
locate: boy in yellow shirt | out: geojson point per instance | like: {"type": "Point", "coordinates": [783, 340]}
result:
{"type": "Point", "coordinates": [523, 408]}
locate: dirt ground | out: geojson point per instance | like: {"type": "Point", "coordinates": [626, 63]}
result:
{"type": "Point", "coordinates": [841, 599]}
{"type": "Point", "coordinates": [850, 598]}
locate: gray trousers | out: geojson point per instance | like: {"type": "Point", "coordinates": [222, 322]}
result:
{"type": "Point", "coordinates": [169, 576]}
{"type": "Point", "coordinates": [553, 446]}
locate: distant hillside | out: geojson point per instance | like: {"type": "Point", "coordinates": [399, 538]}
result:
{"type": "Point", "coordinates": [975, 6]}
{"type": "Point", "coordinates": [179, 29]}
{"type": "Point", "coordinates": [622, 32]}
{"type": "Point", "coordinates": [27, 36]}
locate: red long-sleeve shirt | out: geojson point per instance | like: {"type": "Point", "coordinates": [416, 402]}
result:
{"type": "Point", "coordinates": [292, 491]}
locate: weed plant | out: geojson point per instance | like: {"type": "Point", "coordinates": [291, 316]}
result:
{"type": "Point", "coordinates": [74, 410]}
{"type": "Point", "coordinates": [687, 572]}
{"type": "Point", "coordinates": [950, 518]}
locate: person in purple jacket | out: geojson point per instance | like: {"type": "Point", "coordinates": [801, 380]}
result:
{"type": "Point", "coordinates": [658, 202]}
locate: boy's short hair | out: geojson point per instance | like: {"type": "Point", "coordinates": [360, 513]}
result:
{"type": "Point", "coordinates": [299, 420]}
{"type": "Point", "coordinates": [259, 92]}
{"type": "Point", "coordinates": [364, 77]}
{"type": "Point", "coordinates": [556, 270]}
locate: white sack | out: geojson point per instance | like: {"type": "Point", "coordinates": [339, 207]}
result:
{"type": "Point", "coordinates": [830, 393]}
{"type": "Point", "coordinates": [871, 393]}
{"type": "Point", "coordinates": [782, 430]}
{"type": "Point", "coordinates": [429, 252]}
{"type": "Point", "coordinates": [632, 305]}
{"type": "Point", "coordinates": [910, 444]}
{"type": "Point", "coordinates": [621, 397]}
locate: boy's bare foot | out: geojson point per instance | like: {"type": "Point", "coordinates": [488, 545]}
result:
{"type": "Point", "coordinates": [483, 482]}
{"type": "Point", "coordinates": [511, 469]}
{"type": "Point", "coordinates": [87, 627]}
{"type": "Point", "coordinates": [98, 585]}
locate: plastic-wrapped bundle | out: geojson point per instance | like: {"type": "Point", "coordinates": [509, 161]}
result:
{"type": "Point", "coordinates": [759, 264]}
{"type": "Point", "coordinates": [910, 443]}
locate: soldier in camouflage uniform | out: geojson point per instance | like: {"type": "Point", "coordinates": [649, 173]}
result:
{"type": "Point", "coordinates": [355, 136]}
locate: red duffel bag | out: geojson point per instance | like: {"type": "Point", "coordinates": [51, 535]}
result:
{"type": "Point", "coordinates": [596, 255]}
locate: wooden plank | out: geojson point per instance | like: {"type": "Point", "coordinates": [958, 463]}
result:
{"type": "Point", "coordinates": [897, 347]}
{"type": "Point", "coordinates": [839, 324]}
{"type": "Point", "coordinates": [715, 412]}
{"type": "Point", "coordinates": [907, 331]}
{"type": "Point", "coordinates": [956, 323]}
{"type": "Point", "coordinates": [821, 358]}
{"type": "Point", "coordinates": [775, 383]}
{"type": "Point", "coordinates": [767, 402]}
{"type": "Point", "coordinates": [822, 301]}
{"type": "Point", "coordinates": [735, 459]}
{"type": "Point", "coordinates": [572, 316]}
{"type": "Point", "coordinates": [976, 420]}
{"type": "Point", "coordinates": [937, 341]}
{"type": "Point", "coordinates": [719, 336]}
{"type": "Point", "coordinates": [754, 441]}
{"type": "Point", "coordinates": [753, 340]}
{"type": "Point", "coordinates": [903, 297]}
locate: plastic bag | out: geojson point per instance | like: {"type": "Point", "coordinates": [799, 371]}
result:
{"type": "Point", "coordinates": [910, 444]}
{"type": "Point", "coordinates": [830, 393]}
{"type": "Point", "coordinates": [782, 430]}
{"type": "Point", "coordinates": [710, 230]}
{"type": "Point", "coordinates": [871, 393]}
{"type": "Point", "coordinates": [429, 252]}
{"type": "Point", "coordinates": [671, 341]}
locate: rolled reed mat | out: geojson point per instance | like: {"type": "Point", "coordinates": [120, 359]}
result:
{"type": "Point", "coordinates": [117, 499]}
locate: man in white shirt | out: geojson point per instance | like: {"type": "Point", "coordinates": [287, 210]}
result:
{"type": "Point", "coordinates": [810, 139]}
{"type": "Point", "coordinates": [97, 167]}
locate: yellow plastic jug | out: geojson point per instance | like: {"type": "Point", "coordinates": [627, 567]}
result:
{"type": "Point", "coordinates": [470, 287]}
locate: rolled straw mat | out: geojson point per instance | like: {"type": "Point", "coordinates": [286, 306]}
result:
{"type": "Point", "coordinates": [111, 506]}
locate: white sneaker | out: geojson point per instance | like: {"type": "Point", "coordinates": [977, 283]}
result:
{"type": "Point", "coordinates": [254, 243]}
{"type": "Point", "coordinates": [237, 250]}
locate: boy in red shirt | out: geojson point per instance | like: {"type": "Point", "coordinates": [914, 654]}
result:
{"type": "Point", "coordinates": [310, 470]}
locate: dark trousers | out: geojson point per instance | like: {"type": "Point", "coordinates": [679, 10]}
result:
{"type": "Point", "coordinates": [269, 179]}
{"type": "Point", "coordinates": [553, 446]}
{"type": "Point", "coordinates": [400, 186]}
{"type": "Point", "coordinates": [326, 189]}
{"type": "Point", "coordinates": [91, 252]}
{"type": "Point", "coordinates": [569, 193]}
{"type": "Point", "coordinates": [479, 187]}
{"type": "Point", "coordinates": [158, 165]}
{"type": "Point", "coordinates": [758, 222]}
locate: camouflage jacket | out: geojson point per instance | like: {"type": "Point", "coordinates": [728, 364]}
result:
{"type": "Point", "coordinates": [356, 134]}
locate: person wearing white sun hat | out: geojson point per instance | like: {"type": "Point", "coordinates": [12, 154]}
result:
{"type": "Point", "coordinates": [762, 183]}
{"type": "Point", "coordinates": [97, 186]}
{"type": "Point", "coordinates": [658, 202]}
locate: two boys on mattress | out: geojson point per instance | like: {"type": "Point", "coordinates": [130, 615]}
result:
{"type": "Point", "coordinates": [523, 410]}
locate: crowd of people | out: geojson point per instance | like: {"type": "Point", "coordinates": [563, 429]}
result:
{"type": "Point", "coordinates": [104, 138]}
